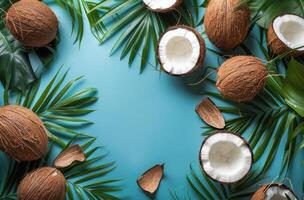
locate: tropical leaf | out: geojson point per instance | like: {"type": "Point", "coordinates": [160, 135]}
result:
{"type": "Point", "coordinates": [269, 9]}
{"type": "Point", "coordinates": [139, 28]}
{"type": "Point", "coordinates": [85, 180]}
{"type": "Point", "coordinates": [59, 107]}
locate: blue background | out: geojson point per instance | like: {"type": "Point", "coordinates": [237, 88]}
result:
{"type": "Point", "coordinates": [141, 119]}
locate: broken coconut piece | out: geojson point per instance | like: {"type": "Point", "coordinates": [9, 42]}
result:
{"type": "Point", "coordinates": [150, 180]}
{"type": "Point", "coordinates": [241, 78]}
{"type": "Point", "coordinates": [162, 6]}
{"type": "Point", "coordinates": [286, 33]}
{"type": "Point", "coordinates": [274, 191]}
{"type": "Point", "coordinates": [226, 157]}
{"type": "Point", "coordinates": [69, 156]}
{"type": "Point", "coordinates": [210, 114]}
{"type": "Point", "coordinates": [180, 50]}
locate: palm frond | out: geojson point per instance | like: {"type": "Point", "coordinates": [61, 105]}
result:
{"type": "Point", "coordinates": [139, 28]}
{"type": "Point", "coordinates": [59, 106]}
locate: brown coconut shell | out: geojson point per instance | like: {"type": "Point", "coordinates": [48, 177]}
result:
{"type": "Point", "coordinates": [32, 22]}
{"type": "Point", "coordinates": [170, 9]}
{"type": "Point", "coordinates": [150, 180]}
{"type": "Point", "coordinates": [69, 156]}
{"type": "Point", "coordinates": [42, 184]}
{"type": "Point", "coordinates": [210, 114]}
{"type": "Point", "coordinates": [22, 134]}
{"type": "Point", "coordinates": [260, 194]}
{"type": "Point", "coordinates": [276, 45]}
{"type": "Point", "coordinates": [219, 132]}
{"type": "Point", "coordinates": [226, 24]}
{"type": "Point", "coordinates": [240, 78]}
{"type": "Point", "coordinates": [202, 48]}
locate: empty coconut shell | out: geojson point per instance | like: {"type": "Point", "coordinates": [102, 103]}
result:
{"type": "Point", "coordinates": [69, 156]}
{"type": "Point", "coordinates": [240, 78]}
{"type": "Point", "coordinates": [278, 191]}
{"type": "Point", "coordinates": [210, 114]}
{"type": "Point", "coordinates": [32, 22]}
{"type": "Point", "coordinates": [226, 24]}
{"type": "Point", "coordinates": [289, 28]}
{"type": "Point", "coordinates": [42, 184]}
{"type": "Point", "coordinates": [22, 134]}
{"type": "Point", "coordinates": [150, 180]}
{"type": "Point", "coordinates": [162, 6]}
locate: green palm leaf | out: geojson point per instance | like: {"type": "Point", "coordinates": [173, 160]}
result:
{"type": "Point", "coordinates": [139, 28]}
{"type": "Point", "coordinates": [59, 107]}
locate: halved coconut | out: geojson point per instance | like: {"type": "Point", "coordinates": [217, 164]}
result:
{"type": "Point", "coordinates": [286, 33]}
{"type": "Point", "coordinates": [226, 157]}
{"type": "Point", "coordinates": [162, 6]}
{"type": "Point", "coordinates": [274, 191]}
{"type": "Point", "coordinates": [180, 50]}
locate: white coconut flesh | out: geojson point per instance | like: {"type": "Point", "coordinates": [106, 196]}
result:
{"type": "Point", "coordinates": [159, 4]}
{"type": "Point", "coordinates": [278, 193]}
{"type": "Point", "coordinates": [226, 157]}
{"type": "Point", "coordinates": [179, 51]}
{"type": "Point", "coordinates": [290, 30]}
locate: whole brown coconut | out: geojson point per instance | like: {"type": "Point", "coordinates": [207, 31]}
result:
{"type": "Point", "coordinates": [32, 23]}
{"type": "Point", "coordinates": [22, 134]}
{"type": "Point", "coordinates": [226, 24]}
{"type": "Point", "coordinates": [260, 194]}
{"type": "Point", "coordinates": [240, 78]}
{"type": "Point", "coordinates": [42, 184]}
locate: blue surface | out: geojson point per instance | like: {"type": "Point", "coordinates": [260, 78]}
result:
{"type": "Point", "coordinates": [141, 119]}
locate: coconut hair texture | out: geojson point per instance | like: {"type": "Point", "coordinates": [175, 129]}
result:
{"type": "Point", "coordinates": [22, 134]}
{"type": "Point", "coordinates": [226, 25]}
{"type": "Point", "coordinates": [162, 6]}
{"type": "Point", "coordinates": [240, 78]}
{"type": "Point", "coordinates": [226, 157]}
{"type": "Point", "coordinates": [32, 23]}
{"type": "Point", "coordinates": [286, 33]}
{"type": "Point", "coordinates": [273, 191]}
{"type": "Point", "coordinates": [180, 50]}
{"type": "Point", "coordinates": [42, 184]}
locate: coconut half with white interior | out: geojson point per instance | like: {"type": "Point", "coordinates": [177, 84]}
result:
{"type": "Point", "coordinates": [162, 6]}
{"type": "Point", "coordinates": [286, 33]}
{"type": "Point", "coordinates": [180, 50]}
{"type": "Point", "coordinates": [226, 157]}
{"type": "Point", "coordinates": [274, 191]}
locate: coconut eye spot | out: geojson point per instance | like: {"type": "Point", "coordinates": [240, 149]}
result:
{"type": "Point", "coordinates": [179, 49]}
{"type": "Point", "coordinates": [290, 30]}
{"type": "Point", "coordinates": [159, 4]}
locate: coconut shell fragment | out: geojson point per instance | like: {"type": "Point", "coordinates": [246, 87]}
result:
{"type": "Point", "coordinates": [226, 24]}
{"type": "Point", "coordinates": [23, 135]}
{"type": "Point", "coordinates": [69, 156]}
{"type": "Point", "coordinates": [42, 184]}
{"type": "Point", "coordinates": [210, 114]}
{"type": "Point", "coordinates": [150, 180]}
{"type": "Point", "coordinates": [274, 191]}
{"type": "Point", "coordinates": [285, 33]}
{"type": "Point", "coordinates": [240, 78]}
{"type": "Point", "coordinates": [32, 22]}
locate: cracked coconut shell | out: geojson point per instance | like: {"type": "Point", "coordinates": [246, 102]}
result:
{"type": "Point", "coordinates": [226, 24]}
{"type": "Point", "coordinates": [22, 134]}
{"type": "Point", "coordinates": [42, 184]}
{"type": "Point", "coordinates": [32, 22]}
{"type": "Point", "coordinates": [276, 45]}
{"type": "Point", "coordinates": [159, 9]}
{"type": "Point", "coordinates": [260, 194]}
{"type": "Point", "coordinates": [69, 156]}
{"type": "Point", "coordinates": [240, 78]}
{"type": "Point", "coordinates": [149, 181]}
